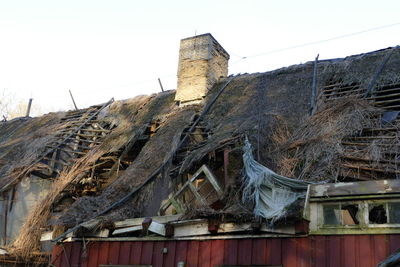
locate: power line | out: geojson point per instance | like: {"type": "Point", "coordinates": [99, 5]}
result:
{"type": "Point", "coordinates": [320, 41]}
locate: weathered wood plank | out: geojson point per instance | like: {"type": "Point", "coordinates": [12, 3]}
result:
{"type": "Point", "coordinates": [127, 230]}
{"type": "Point", "coordinates": [355, 188]}
{"type": "Point", "coordinates": [138, 221]}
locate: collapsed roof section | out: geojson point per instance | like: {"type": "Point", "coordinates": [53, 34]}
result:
{"type": "Point", "coordinates": [149, 149]}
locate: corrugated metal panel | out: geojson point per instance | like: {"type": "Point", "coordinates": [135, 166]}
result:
{"type": "Point", "coordinates": [314, 251]}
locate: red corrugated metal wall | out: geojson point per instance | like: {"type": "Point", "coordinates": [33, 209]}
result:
{"type": "Point", "coordinates": [315, 251]}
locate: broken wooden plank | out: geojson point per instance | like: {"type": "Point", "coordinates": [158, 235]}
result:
{"type": "Point", "coordinates": [212, 180]}
{"type": "Point", "coordinates": [138, 221]}
{"type": "Point", "coordinates": [126, 230]}
{"type": "Point", "coordinates": [191, 228]}
{"type": "Point", "coordinates": [200, 227]}
{"type": "Point", "coordinates": [194, 190]}
{"type": "Point", "coordinates": [154, 227]}
{"type": "Point", "coordinates": [234, 227]}
{"type": "Point", "coordinates": [46, 236]}
{"type": "Point", "coordinates": [158, 228]}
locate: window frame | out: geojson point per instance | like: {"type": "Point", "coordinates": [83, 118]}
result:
{"type": "Point", "coordinates": [381, 225]}
{"type": "Point", "coordinates": [321, 224]}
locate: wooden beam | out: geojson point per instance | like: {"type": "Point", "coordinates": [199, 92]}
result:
{"type": "Point", "coordinates": [162, 88]}
{"type": "Point", "coordinates": [378, 72]}
{"type": "Point", "coordinates": [343, 97]}
{"type": "Point", "coordinates": [355, 188]}
{"type": "Point", "coordinates": [350, 157]}
{"type": "Point", "coordinates": [382, 91]}
{"type": "Point", "coordinates": [384, 96]}
{"type": "Point", "coordinates": [337, 87]}
{"type": "Point", "coordinates": [314, 87]}
{"type": "Point", "coordinates": [73, 100]}
{"type": "Point", "coordinates": [366, 168]}
{"type": "Point", "coordinates": [383, 102]}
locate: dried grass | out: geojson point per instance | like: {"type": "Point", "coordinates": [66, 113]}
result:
{"type": "Point", "coordinates": [28, 238]}
{"type": "Point", "coordinates": [311, 152]}
{"type": "Point", "coordinates": [314, 149]}
{"type": "Point", "coordinates": [20, 143]}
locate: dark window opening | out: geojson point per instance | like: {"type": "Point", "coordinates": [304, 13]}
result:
{"type": "Point", "coordinates": [377, 214]}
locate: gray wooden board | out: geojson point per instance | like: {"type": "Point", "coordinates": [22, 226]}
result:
{"type": "Point", "coordinates": [355, 188]}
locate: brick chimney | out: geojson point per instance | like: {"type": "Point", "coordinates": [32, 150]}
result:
{"type": "Point", "coordinates": [202, 62]}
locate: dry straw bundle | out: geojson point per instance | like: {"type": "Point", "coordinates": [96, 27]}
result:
{"type": "Point", "coordinates": [313, 150]}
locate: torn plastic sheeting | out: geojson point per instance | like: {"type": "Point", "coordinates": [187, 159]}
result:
{"type": "Point", "coordinates": [389, 116]}
{"type": "Point", "coordinates": [271, 192]}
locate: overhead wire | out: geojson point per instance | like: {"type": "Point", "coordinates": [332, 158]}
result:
{"type": "Point", "coordinates": [317, 42]}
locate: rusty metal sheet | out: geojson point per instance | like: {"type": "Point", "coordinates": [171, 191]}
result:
{"type": "Point", "coordinates": [312, 251]}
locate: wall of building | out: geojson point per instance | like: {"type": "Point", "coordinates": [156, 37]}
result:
{"type": "Point", "coordinates": [14, 207]}
{"type": "Point", "coordinates": [318, 251]}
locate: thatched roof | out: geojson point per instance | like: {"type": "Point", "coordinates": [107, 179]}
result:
{"type": "Point", "coordinates": [21, 140]}
{"type": "Point", "coordinates": [256, 105]}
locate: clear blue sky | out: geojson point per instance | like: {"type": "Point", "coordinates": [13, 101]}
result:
{"type": "Point", "coordinates": [103, 49]}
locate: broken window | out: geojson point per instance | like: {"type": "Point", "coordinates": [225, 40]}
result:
{"type": "Point", "coordinates": [383, 213]}
{"type": "Point", "coordinates": [377, 214]}
{"type": "Point", "coordinates": [394, 212]}
{"type": "Point", "coordinates": [341, 214]}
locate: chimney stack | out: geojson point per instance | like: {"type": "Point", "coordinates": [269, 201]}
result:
{"type": "Point", "coordinates": [202, 62]}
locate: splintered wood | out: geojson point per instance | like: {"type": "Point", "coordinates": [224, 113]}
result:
{"type": "Point", "coordinates": [79, 132]}
{"type": "Point", "coordinates": [202, 189]}
{"type": "Point", "coordinates": [373, 153]}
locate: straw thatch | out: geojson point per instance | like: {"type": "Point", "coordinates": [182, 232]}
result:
{"type": "Point", "coordinates": [21, 140]}
{"type": "Point", "coordinates": [313, 151]}
{"type": "Point", "coordinates": [271, 108]}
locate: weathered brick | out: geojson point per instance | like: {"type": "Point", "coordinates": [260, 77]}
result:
{"type": "Point", "coordinates": [202, 62]}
